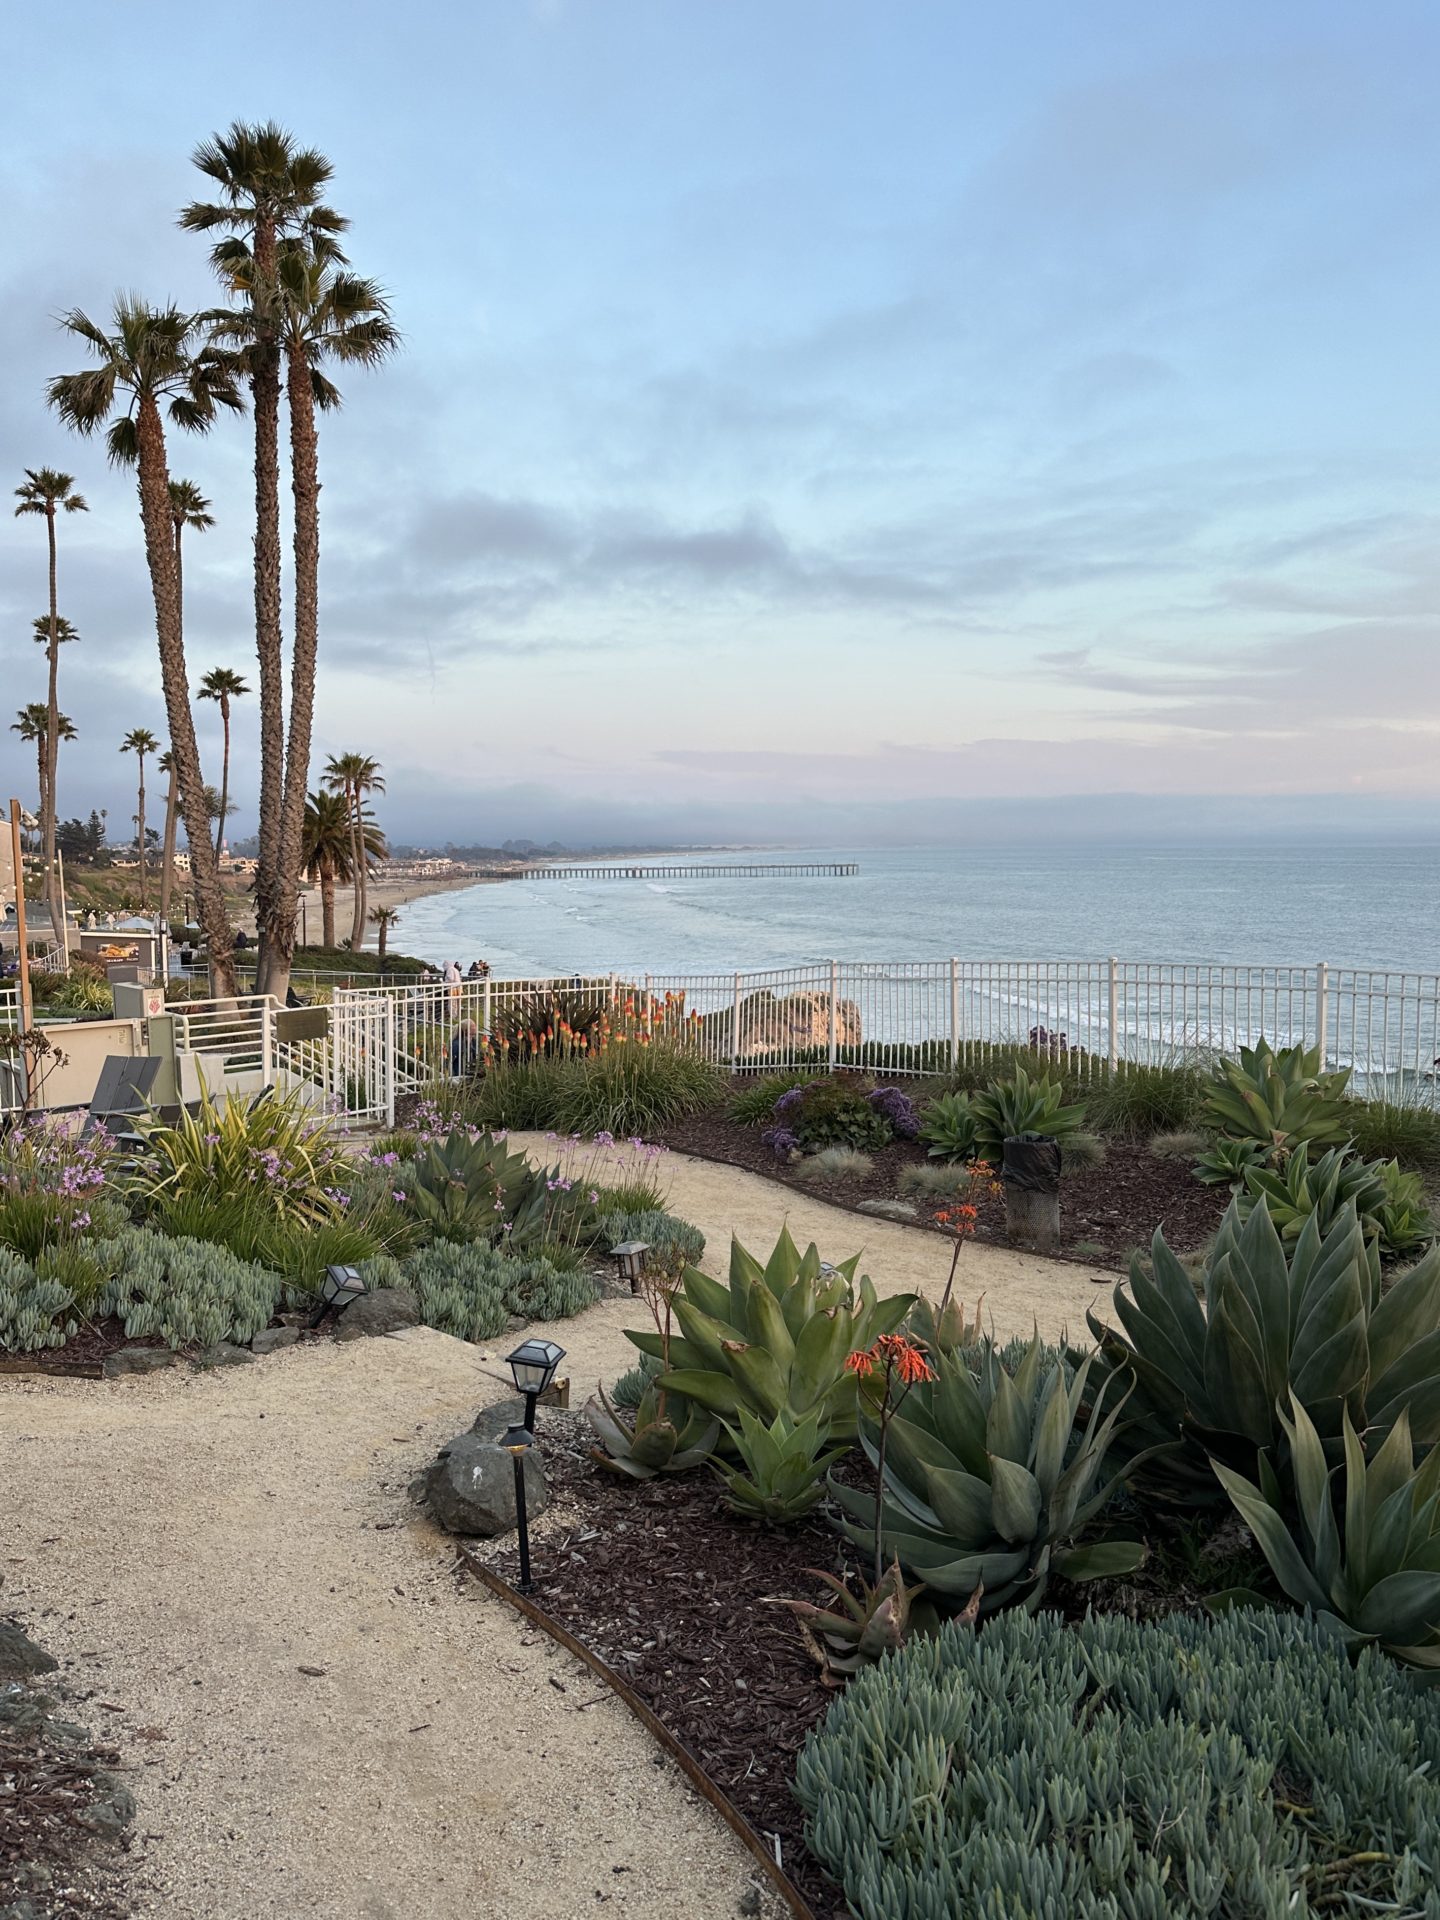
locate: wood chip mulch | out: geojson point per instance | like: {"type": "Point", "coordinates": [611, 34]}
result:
{"type": "Point", "coordinates": [670, 1589]}
{"type": "Point", "coordinates": [44, 1790]}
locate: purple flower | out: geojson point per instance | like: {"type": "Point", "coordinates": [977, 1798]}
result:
{"type": "Point", "coordinates": [781, 1140]}
{"type": "Point", "coordinates": [396, 1194]}
{"type": "Point", "coordinates": [898, 1108]}
{"type": "Point", "coordinates": [788, 1100]}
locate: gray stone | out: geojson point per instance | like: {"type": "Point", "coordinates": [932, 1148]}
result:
{"type": "Point", "coordinates": [225, 1354]}
{"type": "Point", "coordinates": [20, 1656]}
{"type": "Point", "coordinates": [22, 1909]}
{"type": "Point", "coordinates": [128, 1360]}
{"type": "Point", "coordinates": [490, 1422]}
{"type": "Point", "coordinates": [471, 1487]}
{"type": "Point", "coordinates": [749, 1902]}
{"type": "Point", "coordinates": [384, 1311]}
{"type": "Point", "coordinates": [889, 1209]}
{"type": "Point", "coordinates": [109, 1817]}
{"type": "Point", "coordinates": [271, 1339]}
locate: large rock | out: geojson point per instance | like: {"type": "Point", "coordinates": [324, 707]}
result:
{"type": "Point", "coordinates": [384, 1311]}
{"type": "Point", "coordinates": [272, 1339]}
{"type": "Point", "coordinates": [783, 1023]}
{"type": "Point", "coordinates": [131, 1360]}
{"type": "Point", "coordinates": [19, 1656]}
{"type": "Point", "coordinates": [889, 1209]}
{"type": "Point", "coordinates": [470, 1487]}
{"type": "Point", "coordinates": [224, 1354]}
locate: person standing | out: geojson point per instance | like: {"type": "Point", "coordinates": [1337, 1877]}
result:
{"type": "Point", "coordinates": [453, 980]}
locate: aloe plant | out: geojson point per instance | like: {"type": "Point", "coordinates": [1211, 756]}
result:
{"type": "Point", "coordinates": [992, 1479]}
{"type": "Point", "coordinates": [776, 1339]}
{"type": "Point", "coordinates": [649, 1442]}
{"type": "Point", "coordinates": [782, 1469]}
{"type": "Point", "coordinates": [1279, 1100]}
{"type": "Point", "coordinates": [1307, 1320]}
{"type": "Point", "coordinates": [1374, 1575]}
{"type": "Point", "coordinates": [856, 1629]}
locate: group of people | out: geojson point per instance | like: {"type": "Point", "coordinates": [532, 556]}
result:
{"type": "Point", "coordinates": [452, 974]}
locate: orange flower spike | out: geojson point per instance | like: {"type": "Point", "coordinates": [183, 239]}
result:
{"type": "Point", "coordinates": [862, 1363]}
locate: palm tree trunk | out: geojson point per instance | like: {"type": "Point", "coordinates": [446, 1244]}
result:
{"type": "Point", "coordinates": [380, 941]}
{"type": "Point", "coordinates": [272, 974]}
{"type": "Point", "coordinates": [52, 741]}
{"type": "Point", "coordinates": [167, 852]}
{"type": "Point", "coordinates": [305, 482]}
{"type": "Point", "coordinates": [327, 905]}
{"type": "Point", "coordinates": [185, 754]}
{"type": "Point", "coordinates": [357, 868]}
{"type": "Point", "coordinates": [224, 775]}
{"type": "Point", "coordinates": [140, 835]}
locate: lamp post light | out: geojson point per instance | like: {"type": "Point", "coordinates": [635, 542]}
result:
{"type": "Point", "coordinates": [532, 1366]}
{"type": "Point", "coordinates": [340, 1287]}
{"type": "Point", "coordinates": [517, 1442]}
{"type": "Point", "coordinates": [630, 1259]}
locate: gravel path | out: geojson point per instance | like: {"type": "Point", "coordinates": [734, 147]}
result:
{"type": "Point", "coordinates": [187, 1544]}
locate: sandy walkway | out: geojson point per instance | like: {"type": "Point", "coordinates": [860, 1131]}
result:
{"type": "Point", "coordinates": [187, 1543]}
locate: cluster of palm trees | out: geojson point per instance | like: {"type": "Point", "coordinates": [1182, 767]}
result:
{"type": "Point", "coordinates": [294, 311]}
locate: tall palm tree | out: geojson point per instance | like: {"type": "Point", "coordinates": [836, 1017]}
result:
{"type": "Point", "coordinates": [52, 639]}
{"type": "Point", "coordinates": [224, 685]}
{"type": "Point", "coordinates": [328, 851]}
{"type": "Point", "coordinates": [151, 365]}
{"type": "Point", "coordinates": [383, 919]}
{"type": "Point", "coordinates": [269, 192]}
{"type": "Point", "coordinates": [355, 775]}
{"type": "Point", "coordinates": [45, 490]}
{"type": "Point", "coordinates": [32, 723]}
{"type": "Point", "coordinates": [166, 764]}
{"type": "Point", "coordinates": [188, 508]}
{"type": "Point", "coordinates": [140, 741]}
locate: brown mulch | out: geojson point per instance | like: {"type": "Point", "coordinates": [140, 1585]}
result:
{"type": "Point", "coordinates": [45, 1790]}
{"type": "Point", "coordinates": [1105, 1211]}
{"type": "Point", "coordinates": [670, 1589]}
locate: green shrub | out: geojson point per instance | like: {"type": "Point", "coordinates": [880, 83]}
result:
{"type": "Point", "coordinates": [835, 1112]}
{"type": "Point", "coordinates": [980, 1066]}
{"type": "Point", "coordinates": [642, 1193]}
{"type": "Point", "coordinates": [472, 1290]}
{"type": "Point", "coordinates": [1395, 1130]}
{"type": "Point", "coordinates": [1021, 1105]}
{"type": "Point", "coordinates": [1308, 1320]}
{"type": "Point", "coordinates": [949, 1129]}
{"type": "Point", "coordinates": [1134, 1102]}
{"type": "Point", "coordinates": [192, 1293]}
{"type": "Point", "coordinates": [754, 1103]}
{"type": "Point", "coordinates": [992, 1478]}
{"type": "Point", "coordinates": [1187, 1769]}
{"type": "Point", "coordinates": [1278, 1100]}
{"type": "Point", "coordinates": [835, 1163]}
{"type": "Point", "coordinates": [272, 1145]}
{"type": "Point", "coordinates": [627, 1090]}
{"type": "Point", "coordinates": [664, 1234]}
{"type": "Point", "coordinates": [1226, 1163]}
{"type": "Point", "coordinates": [520, 1099]}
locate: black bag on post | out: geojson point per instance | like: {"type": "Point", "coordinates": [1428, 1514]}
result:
{"type": "Point", "coordinates": [1031, 1173]}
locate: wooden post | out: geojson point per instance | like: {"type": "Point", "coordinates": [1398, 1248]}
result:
{"type": "Point", "coordinates": [27, 1009]}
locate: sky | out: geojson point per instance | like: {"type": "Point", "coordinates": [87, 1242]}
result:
{"type": "Point", "coordinates": [816, 420]}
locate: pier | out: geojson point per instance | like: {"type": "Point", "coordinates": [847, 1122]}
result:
{"type": "Point", "coordinates": [764, 870]}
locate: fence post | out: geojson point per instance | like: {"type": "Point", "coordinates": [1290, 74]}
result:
{"type": "Point", "coordinates": [1322, 1009]}
{"type": "Point", "coordinates": [612, 989]}
{"type": "Point", "coordinates": [1113, 969]}
{"type": "Point", "coordinates": [834, 1014]}
{"type": "Point", "coordinates": [735, 1030]}
{"type": "Point", "coordinates": [954, 1014]}
{"type": "Point", "coordinates": [649, 1005]}
{"type": "Point", "coordinates": [485, 1008]}
{"type": "Point", "coordinates": [390, 1061]}
{"type": "Point", "coordinates": [267, 1042]}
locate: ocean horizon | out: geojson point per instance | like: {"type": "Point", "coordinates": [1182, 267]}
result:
{"type": "Point", "coordinates": [1352, 906]}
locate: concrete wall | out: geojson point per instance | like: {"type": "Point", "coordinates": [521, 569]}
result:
{"type": "Point", "coordinates": [86, 1044]}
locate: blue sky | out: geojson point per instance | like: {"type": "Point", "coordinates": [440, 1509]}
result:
{"type": "Point", "coordinates": [806, 408]}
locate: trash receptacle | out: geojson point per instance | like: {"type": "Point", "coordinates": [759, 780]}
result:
{"type": "Point", "coordinates": [1030, 1171]}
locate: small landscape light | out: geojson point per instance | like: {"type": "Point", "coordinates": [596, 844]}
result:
{"type": "Point", "coordinates": [630, 1259]}
{"type": "Point", "coordinates": [340, 1287]}
{"type": "Point", "coordinates": [517, 1442]}
{"type": "Point", "coordinates": [532, 1366]}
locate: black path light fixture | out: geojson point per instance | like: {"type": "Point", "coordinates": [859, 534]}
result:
{"type": "Point", "coordinates": [517, 1442]}
{"type": "Point", "coordinates": [340, 1287]}
{"type": "Point", "coordinates": [532, 1366]}
{"type": "Point", "coordinates": [629, 1257]}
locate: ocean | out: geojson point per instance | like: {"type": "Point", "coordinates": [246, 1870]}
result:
{"type": "Point", "coordinates": [1352, 906]}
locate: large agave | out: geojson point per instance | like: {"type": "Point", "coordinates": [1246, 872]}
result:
{"type": "Point", "coordinates": [990, 1479]}
{"type": "Point", "coordinates": [777, 1338]}
{"type": "Point", "coordinates": [1308, 1321]}
{"type": "Point", "coordinates": [464, 1187]}
{"type": "Point", "coordinates": [1021, 1105]}
{"type": "Point", "coordinates": [1375, 1575]}
{"type": "Point", "coordinates": [1278, 1100]}
{"type": "Point", "coordinates": [783, 1466]}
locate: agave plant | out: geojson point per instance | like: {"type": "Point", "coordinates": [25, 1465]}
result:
{"type": "Point", "coordinates": [776, 1339]}
{"type": "Point", "coordinates": [1278, 1100]}
{"type": "Point", "coordinates": [1390, 1204]}
{"type": "Point", "coordinates": [1228, 1161]}
{"type": "Point", "coordinates": [464, 1186]}
{"type": "Point", "coordinates": [649, 1442]}
{"type": "Point", "coordinates": [991, 1480]}
{"type": "Point", "coordinates": [1374, 1577]}
{"type": "Point", "coordinates": [856, 1629]}
{"type": "Point", "coordinates": [783, 1466]}
{"type": "Point", "coordinates": [948, 1128]}
{"type": "Point", "coordinates": [944, 1329]}
{"type": "Point", "coordinates": [1308, 1320]}
{"type": "Point", "coordinates": [1021, 1105]}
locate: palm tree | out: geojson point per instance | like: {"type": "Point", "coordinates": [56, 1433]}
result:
{"type": "Point", "coordinates": [328, 851]}
{"type": "Point", "coordinates": [43, 491]}
{"type": "Point", "coordinates": [148, 367]}
{"type": "Point", "coordinates": [166, 764]}
{"type": "Point", "coordinates": [270, 192]}
{"type": "Point", "coordinates": [383, 919]}
{"type": "Point", "coordinates": [223, 684]}
{"type": "Point", "coordinates": [355, 775]}
{"type": "Point", "coordinates": [140, 741]}
{"type": "Point", "coordinates": [188, 508]}
{"type": "Point", "coordinates": [32, 722]}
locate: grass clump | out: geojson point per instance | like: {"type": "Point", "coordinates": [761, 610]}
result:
{"type": "Point", "coordinates": [1185, 1143]}
{"type": "Point", "coordinates": [626, 1090]}
{"type": "Point", "coordinates": [1081, 1151]}
{"type": "Point", "coordinates": [1395, 1130]}
{"type": "Point", "coordinates": [934, 1182]}
{"type": "Point", "coordinates": [1135, 1102]}
{"type": "Point", "coordinates": [835, 1163]}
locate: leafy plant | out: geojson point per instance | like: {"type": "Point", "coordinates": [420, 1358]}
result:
{"type": "Point", "coordinates": [271, 1145]}
{"type": "Point", "coordinates": [943, 1329]}
{"type": "Point", "coordinates": [191, 1293]}
{"type": "Point", "coordinates": [1183, 1769]}
{"type": "Point", "coordinates": [835, 1112]}
{"type": "Point", "coordinates": [1378, 1581]}
{"type": "Point", "coordinates": [1390, 1204]}
{"type": "Point", "coordinates": [776, 1339]}
{"type": "Point", "coordinates": [1226, 1163]}
{"type": "Point", "coordinates": [54, 1183]}
{"type": "Point", "coordinates": [649, 1442]}
{"type": "Point", "coordinates": [1307, 1320]}
{"type": "Point", "coordinates": [465, 1186]}
{"type": "Point", "coordinates": [854, 1630]}
{"type": "Point", "coordinates": [1278, 1100]}
{"type": "Point", "coordinates": [628, 1390]}
{"type": "Point", "coordinates": [635, 1090]}
{"type": "Point", "coordinates": [949, 1129]}
{"type": "Point", "coordinates": [754, 1103]}
{"type": "Point", "coordinates": [1021, 1105]}
{"type": "Point", "coordinates": [993, 1479]}
{"type": "Point", "coordinates": [783, 1466]}
{"type": "Point", "coordinates": [1403, 1220]}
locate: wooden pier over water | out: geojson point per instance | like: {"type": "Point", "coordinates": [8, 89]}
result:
{"type": "Point", "coordinates": [763, 870]}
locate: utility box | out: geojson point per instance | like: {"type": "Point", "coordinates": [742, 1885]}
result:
{"type": "Point", "coordinates": [135, 1002]}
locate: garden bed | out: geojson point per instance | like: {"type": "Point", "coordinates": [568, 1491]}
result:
{"type": "Point", "coordinates": [1105, 1211]}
